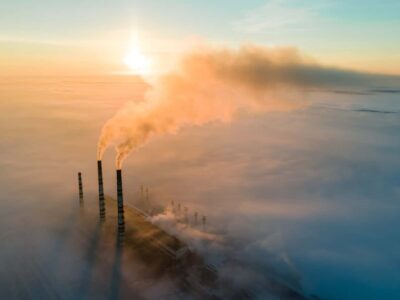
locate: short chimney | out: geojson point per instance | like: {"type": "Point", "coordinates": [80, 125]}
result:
{"type": "Point", "coordinates": [120, 201]}
{"type": "Point", "coordinates": [101, 190]}
{"type": "Point", "coordinates": [80, 188]}
{"type": "Point", "coordinates": [186, 219]}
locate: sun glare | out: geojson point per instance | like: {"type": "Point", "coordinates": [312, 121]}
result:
{"type": "Point", "coordinates": [139, 63]}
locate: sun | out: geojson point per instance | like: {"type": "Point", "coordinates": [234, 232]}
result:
{"type": "Point", "coordinates": [139, 63]}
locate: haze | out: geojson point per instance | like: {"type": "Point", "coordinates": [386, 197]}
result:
{"type": "Point", "coordinates": [278, 120]}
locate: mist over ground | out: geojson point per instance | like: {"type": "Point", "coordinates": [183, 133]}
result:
{"type": "Point", "coordinates": [314, 191]}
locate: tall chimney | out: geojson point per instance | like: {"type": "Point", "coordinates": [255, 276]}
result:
{"type": "Point", "coordinates": [120, 199]}
{"type": "Point", "coordinates": [101, 190]}
{"type": "Point", "coordinates": [80, 188]}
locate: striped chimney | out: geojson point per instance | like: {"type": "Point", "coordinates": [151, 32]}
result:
{"type": "Point", "coordinates": [101, 190]}
{"type": "Point", "coordinates": [120, 200]}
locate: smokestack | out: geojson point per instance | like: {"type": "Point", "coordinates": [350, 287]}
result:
{"type": "Point", "coordinates": [178, 213]}
{"type": "Point", "coordinates": [120, 199]}
{"type": "Point", "coordinates": [147, 201]}
{"type": "Point", "coordinates": [195, 218]}
{"type": "Point", "coordinates": [80, 188]}
{"type": "Point", "coordinates": [186, 219]}
{"type": "Point", "coordinates": [204, 222]}
{"type": "Point", "coordinates": [101, 190]}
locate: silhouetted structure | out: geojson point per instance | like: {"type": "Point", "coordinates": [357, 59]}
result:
{"type": "Point", "coordinates": [102, 207]}
{"type": "Point", "coordinates": [80, 187]}
{"type": "Point", "coordinates": [148, 201]}
{"type": "Point", "coordinates": [186, 219]}
{"type": "Point", "coordinates": [120, 201]}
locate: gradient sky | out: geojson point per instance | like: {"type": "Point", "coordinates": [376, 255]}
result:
{"type": "Point", "coordinates": [44, 36]}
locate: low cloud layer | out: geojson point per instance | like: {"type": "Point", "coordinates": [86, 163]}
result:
{"type": "Point", "coordinates": [320, 185]}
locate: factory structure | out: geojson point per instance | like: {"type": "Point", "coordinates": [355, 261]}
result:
{"type": "Point", "coordinates": [169, 244]}
{"type": "Point", "coordinates": [135, 231]}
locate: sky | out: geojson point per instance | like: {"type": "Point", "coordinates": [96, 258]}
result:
{"type": "Point", "coordinates": [92, 37]}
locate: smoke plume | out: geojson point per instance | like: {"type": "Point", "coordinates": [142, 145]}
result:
{"type": "Point", "coordinates": [211, 85]}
